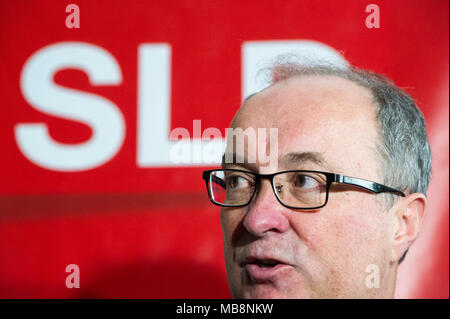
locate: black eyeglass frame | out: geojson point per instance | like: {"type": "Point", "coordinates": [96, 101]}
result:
{"type": "Point", "coordinates": [331, 178]}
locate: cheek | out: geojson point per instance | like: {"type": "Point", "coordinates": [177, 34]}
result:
{"type": "Point", "coordinates": [230, 220]}
{"type": "Point", "coordinates": [358, 229]}
{"type": "Point", "coordinates": [346, 238]}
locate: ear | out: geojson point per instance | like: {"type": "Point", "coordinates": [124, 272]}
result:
{"type": "Point", "coordinates": [409, 213]}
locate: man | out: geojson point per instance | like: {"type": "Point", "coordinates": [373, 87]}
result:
{"type": "Point", "coordinates": [347, 198]}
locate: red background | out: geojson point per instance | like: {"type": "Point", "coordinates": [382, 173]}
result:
{"type": "Point", "coordinates": [151, 232]}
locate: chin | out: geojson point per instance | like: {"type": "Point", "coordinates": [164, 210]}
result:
{"type": "Point", "coordinates": [244, 288]}
{"type": "Point", "coordinates": [266, 292]}
{"type": "Point", "coordinates": [263, 293]}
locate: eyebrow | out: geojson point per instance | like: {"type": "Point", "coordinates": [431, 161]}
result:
{"type": "Point", "coordinates": [297, 158]}
{"type": "Point", "coordinates": [290, 159]}
{"type": "Point", "coordinates": [239, 161]}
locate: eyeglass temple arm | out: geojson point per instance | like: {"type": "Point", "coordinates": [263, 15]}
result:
{"type": "Point", "coordinates": [371, 186]}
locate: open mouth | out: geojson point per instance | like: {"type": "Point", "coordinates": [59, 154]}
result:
{"type": "Point", "coordinates": [267, 263]}
{"type": "Point", "coordinates": [263, 269]}
{"type": "Point", "coordinates": [263, 263]}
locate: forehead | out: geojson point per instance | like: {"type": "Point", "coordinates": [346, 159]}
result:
{"type": "Point", "coordinates": [324, 114]}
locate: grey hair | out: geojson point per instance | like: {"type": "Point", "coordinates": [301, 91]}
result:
{"type": "Point", "coordinates": [405, 155]}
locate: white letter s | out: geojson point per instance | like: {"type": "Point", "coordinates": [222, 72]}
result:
{"type": "Point", "coordinates": [103, 116]}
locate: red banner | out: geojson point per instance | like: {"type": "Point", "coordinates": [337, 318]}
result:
{"type": "Point", "coordinates": [91, 94]}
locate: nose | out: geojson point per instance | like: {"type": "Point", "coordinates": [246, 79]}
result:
{"type": "Point", "coordinates": [265, 214]}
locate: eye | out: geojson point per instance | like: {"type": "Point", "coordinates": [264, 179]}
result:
{"type": "Point", "coordinates": [237, 182]}
{"type": "Point", "coordinates": [306, 182]}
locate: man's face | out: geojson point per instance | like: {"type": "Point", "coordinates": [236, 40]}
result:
{"type": "Point", "coordinates": [323, 253]}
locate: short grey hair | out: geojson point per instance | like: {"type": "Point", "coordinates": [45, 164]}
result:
{"type": "Point", "coordinates": [405, 155]}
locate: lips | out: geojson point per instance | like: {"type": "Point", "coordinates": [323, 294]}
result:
{"type": "Point", "coordinates": [264, 262]}
{"type": "Point", "coordinates": [263, 268]}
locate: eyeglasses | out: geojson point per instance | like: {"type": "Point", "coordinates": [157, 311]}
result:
{"type": "Point", "coordinates": [296, 189]}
